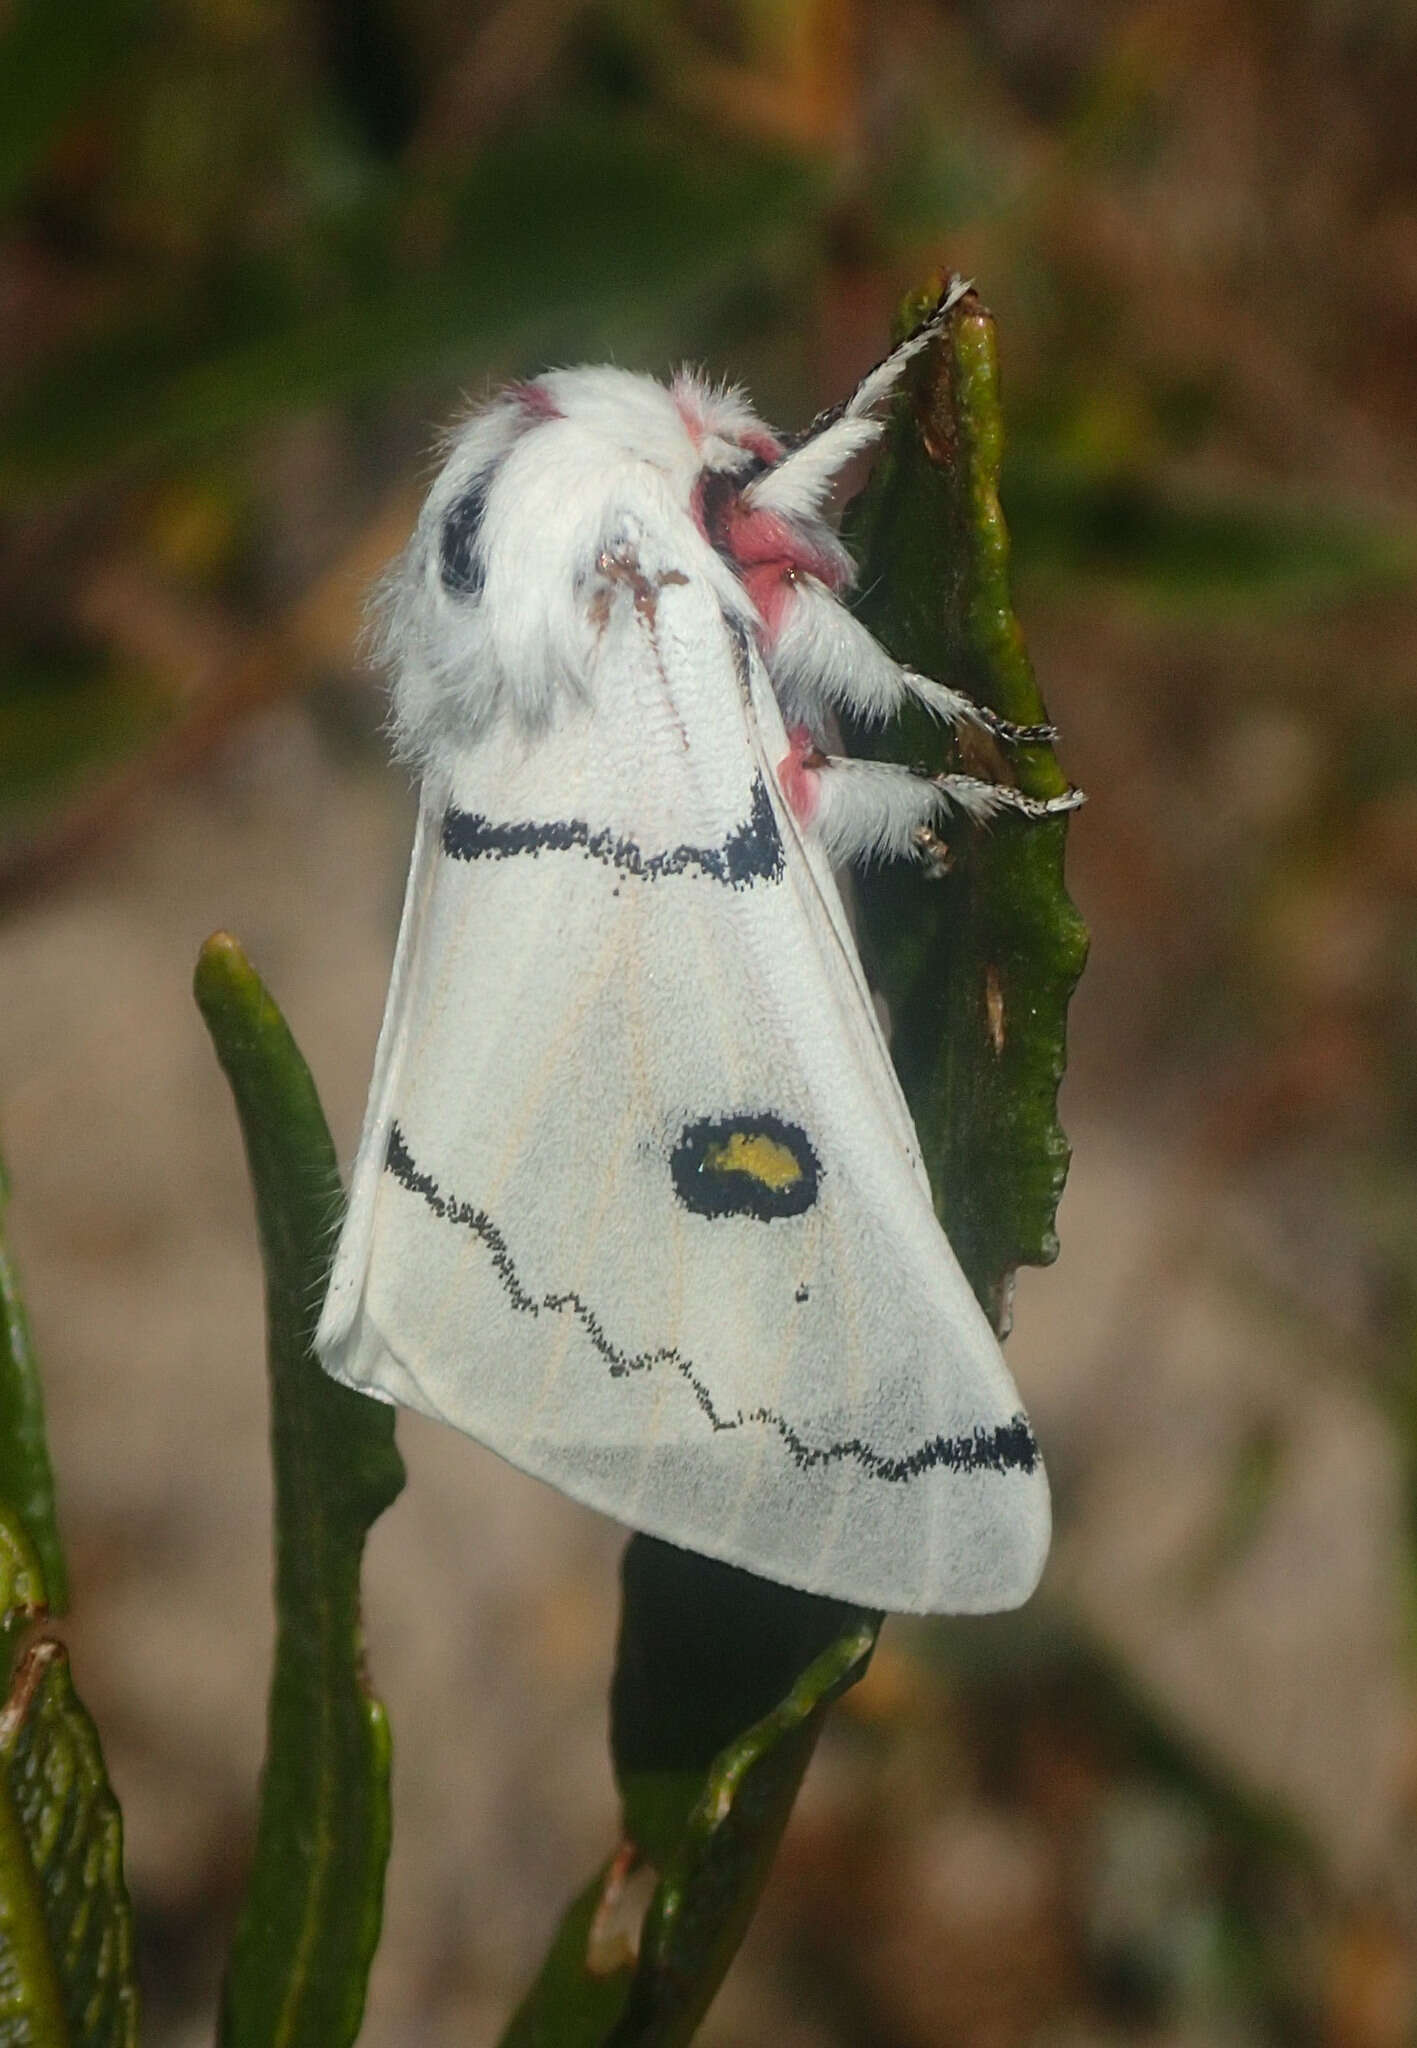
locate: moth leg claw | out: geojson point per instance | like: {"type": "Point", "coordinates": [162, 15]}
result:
{"type": "Point", "coordinates": [1014, 735]}
{"type": "Point", "coordinates": [985, 800]}
{"type": "Point", "coordinates": [935, 853]}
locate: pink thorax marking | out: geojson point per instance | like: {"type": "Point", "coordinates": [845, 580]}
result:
{"type": "Point", "coordinates": [797, 773]}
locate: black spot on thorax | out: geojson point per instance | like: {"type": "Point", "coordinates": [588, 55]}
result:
{"type": "Point", "coordinates": [459, 558]}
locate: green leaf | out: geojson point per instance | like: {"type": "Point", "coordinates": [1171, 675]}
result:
{"type": "Point", "coordinates": [300, 1963]}
{"type": "Point", "coordinates": [1195, 557]}
{"type": "Point", "coordinates": [22, 1595]}
{"type": "Point", "coordinates": [711, 1883]}
{"type": "Point", "coordinates": [705, 1652]}
{"type": "Point", "coordinates": [66, 1935]}
{"type": "Point", "coordinates": [722, 1680]}
{"type": "Point", "coordinates": [978, 967]}
{"type": "Point", "coordinates": [576, 237]}
{"type": "Point", "coordinates": [26, 1477]}
{"type": "Point", "coordinates": [572, 2005]}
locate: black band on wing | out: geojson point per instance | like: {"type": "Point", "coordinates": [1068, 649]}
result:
{"type": "Point", "coordinates": [752, 852]}
{"type": "Point", "coordinates": [1008, 1447]}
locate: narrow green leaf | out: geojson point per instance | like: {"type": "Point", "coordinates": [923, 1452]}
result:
{"type": "Point", "coordinates": [22, 1598]}
{"type": "Point", "coordinates": [300, 1963]}
{"type": "Point", "coordinates": [978, 966]}
{"type": "Point", "coordinates": [709, 1889]}
{"type": "Point", "coordinates": [721, 1684]}
{"type": "Point", "coordinates": [26, 1477]}
{"type": "Point", "coordinates": [66, 1934]}
{"type": "Point", "coordinates": [571, 2005]}
{"type": "Point", "coordinates": [705, 1652]}
{"type": "Point", "coordinates": [722, 1680]}
{"type": "Point", "coordinates": [66, 1939]}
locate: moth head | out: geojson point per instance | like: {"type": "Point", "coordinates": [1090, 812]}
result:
{"type": "Point", "coordinates": [492, 610]}
{"type": "Point", "coordinates": [489, 611]}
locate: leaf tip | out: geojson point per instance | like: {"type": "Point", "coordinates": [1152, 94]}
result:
{"type": "Point", "coordinates": [222, 950]}
{"type": "Point", "coordinates": [223, 970]}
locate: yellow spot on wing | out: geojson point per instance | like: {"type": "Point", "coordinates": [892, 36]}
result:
{"type": "Point", "coordinates": [760, 1157]}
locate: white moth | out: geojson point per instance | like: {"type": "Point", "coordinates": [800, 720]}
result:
{"type": "Point", "coordinates": [638, 1200]}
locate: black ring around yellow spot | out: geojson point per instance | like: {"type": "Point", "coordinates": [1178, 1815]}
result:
{"type": "Point", "coordinates": [752, 1164]}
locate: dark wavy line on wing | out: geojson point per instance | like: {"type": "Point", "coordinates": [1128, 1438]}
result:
{"type": "Point", "coordinates": [1009, 1447]}
{"type": "Point", "coordinates": [752, 852]}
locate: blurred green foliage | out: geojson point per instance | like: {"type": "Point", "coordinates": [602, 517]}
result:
{"type": "Point", "coordinates": [224, 216]}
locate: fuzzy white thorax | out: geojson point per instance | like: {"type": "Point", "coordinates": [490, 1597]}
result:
{"type": "Point", "coordinates": [585, 463]}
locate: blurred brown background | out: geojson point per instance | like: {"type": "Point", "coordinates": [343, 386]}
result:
{"type": "Point", "coordinates": [252, 254]}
